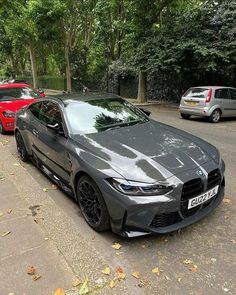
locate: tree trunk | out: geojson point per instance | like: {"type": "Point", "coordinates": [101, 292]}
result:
{"type": "Point", "coordinates": [68, 67]}
{"type": "Point", "coordinates": [142, 87]}
{"type": "Point", "coordinates": [33, 66]}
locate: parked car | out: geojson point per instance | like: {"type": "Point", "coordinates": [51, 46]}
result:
{"type": "Point", "coordinates": [14, 96]}
{"type": "Point", "coordinates": [213, 102]}
{"type": "Point", "coordinates": [126, 171]}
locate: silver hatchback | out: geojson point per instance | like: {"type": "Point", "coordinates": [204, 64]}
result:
{"type": "Point", "coordinates": [213, 102]}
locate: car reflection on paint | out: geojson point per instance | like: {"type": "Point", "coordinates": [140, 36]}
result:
{"type": "Point", "coordinates": [127, 172]}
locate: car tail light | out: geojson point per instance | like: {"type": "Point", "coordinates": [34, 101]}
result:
{"type": "Point", "coordinates": [209, 95]}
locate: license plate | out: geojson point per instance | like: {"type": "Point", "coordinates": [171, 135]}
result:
{"type": "Point", "coordinates": [203, 198]}
{"type": "Point", "coordinates": [191, 103]}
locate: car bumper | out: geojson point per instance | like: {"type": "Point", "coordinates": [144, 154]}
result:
{"type": "Point", "coordinates": [137, 216]}
{"type": "Point", "coordinates": [203, 112]}
{"type": "Point", "coordinates": [8, 124]}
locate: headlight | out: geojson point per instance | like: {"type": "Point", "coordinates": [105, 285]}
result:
{"type": "Point", "coordinates": [138, 188]}
{"type": "Point", "coordinates": [8, 114]}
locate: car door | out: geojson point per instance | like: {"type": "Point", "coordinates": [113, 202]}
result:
{"type": "Point", "coordinates": [222, 98]}
{"type": "Point", "coordinates": [50, 145]}
{"type": "Point", "coordinates": [233, 100]}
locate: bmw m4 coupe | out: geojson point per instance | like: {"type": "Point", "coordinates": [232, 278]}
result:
{"type": "Point", "coordinates": [127, 172]}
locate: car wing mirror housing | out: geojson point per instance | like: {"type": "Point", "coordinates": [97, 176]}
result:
{"type": "Point", "coordinates": [145, 111]}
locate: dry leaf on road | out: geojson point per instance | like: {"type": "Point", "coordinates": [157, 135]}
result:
{"type": "Point", "coordinates": [120, 272]}
{"type": "Point", "coordinates": [16, 164]}
{"type": "Point", "coordinates": [9, 211]}
{"type": "Point", "coordinates": [136, 274]}
{"type": "Point", "coordinates": [6, 233]}
{"type": "Point", "coordinates": [156, 271]}
{"type": "Point", "coordinates": [116, 246]}
{"type": "Point", "coordinates": [84, 288]}
{"type": "Point", "coordinates": [194, 268]}
{"type": "Point", "coordinates": [36, 277]}
{"type": "Point", "coordinates": [187, 261]}
{"type": "Point", "coordinates": [1, 214]}
{"type": "Point", "coordinates": [179, 280]}
{"type": "Point", "coordinates": [59, 291]}
{"type": "Point", "coordinates": [112, 284]}
{"type": "Point", "coordinates": [76, 282]}
{"type": "Point", "coordinates": [106, 271]}
{"type": "Point", "coordinates": [226, 200]}
{"type": "Point", "coordinates": [31, 270]}
{"type": "Point", "coordinates": [45, 189]}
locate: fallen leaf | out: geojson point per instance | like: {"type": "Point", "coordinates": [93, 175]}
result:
{"type": "Point", "coordinates": [120, 272]}
{"type": "Point", "coordinates": [76, 282]}
{"type": "Point", "coordinates": [156, 271]}
{"type": "Point", "coordinates": [36, 277]}
{"type": "Point", "coordinates": [1, 214]}
{"type": "Point", "coordinates": [179, 280]}
{"type": "Point", "coordinates": [167, 278]}
{"type": "Point", "coordinates": [16, 164]}
{"type": "Point", "coordinates": [11, 293]}
{"type": "Point", "coordinates": [36, 220]}
{"type": "Point", "coordinates": [194, 268]}
{"type": "Point", "coordinates": [112, 284]}
{"type": "Point", "coordinates": [233, 241]}
{"type": "Point", "coordinates": [6, 233]}
{"type": "Point", "coordinates": [116, 246]}
{"type": "Point", "coordinates": [54, 186]}
{"type": "Point", "coordinates": [59, 291]}
{"type": "Point", "coordinates": [45, 189]}
{"type": "Point", "coordinates": [226, 217]}
{"type": "Point", "coordinates": [226, 200]}
{"type": "Point", "coordinates": [31, 270]}
{"type": "Point", "coordinates": [84, 288]}
{"type": "Point", "coordinates": [187, 261]}
{"type": "Point", "coordinates": [11, 173]}
{"type": "Point", "coordinates": [136, 274]}
{"type": "Point", "coordinates": [106, 271]}
{"type": "Point", "coordinates": [9, 211]}
{"type": "Point", "coordinates": [143, 283]}
{"type": "Point", "coordinates": [213, 260]}
{"type": "Point", "coordinates": [46, 239]}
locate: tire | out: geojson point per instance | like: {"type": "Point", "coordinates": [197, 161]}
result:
{"type": "Point", "coordinates": [185, 116]}
{"type": "Point", "coordinates": [92, 204]}
{"type": "Point", "coordinates": [215, 116]}
{"type": "Point", "coordinates": [20, 145]}
{"type": "Point", "coordinates": [2, 131]}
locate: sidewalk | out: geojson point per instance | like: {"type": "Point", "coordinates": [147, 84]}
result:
{"type": "Point", "coordinates": [25, 243]}
{"type": "Point", "coordinates": [37, 232]}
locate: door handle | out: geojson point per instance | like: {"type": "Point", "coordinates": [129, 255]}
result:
{"type": "Point", "coordinates": [35, 132]}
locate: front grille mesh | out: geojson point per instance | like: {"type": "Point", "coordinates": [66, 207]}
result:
{"type": "Point", "coordinates": [190, 190]}
{"type": "Point", "coordinates": [165, 219]}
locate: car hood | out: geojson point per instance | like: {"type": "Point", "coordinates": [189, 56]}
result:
{"type": "Point", "coordinates": [14, 105]}
{"type": "Point", "coordinates": [149, 152]}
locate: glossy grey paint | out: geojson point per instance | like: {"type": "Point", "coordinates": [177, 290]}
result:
{"type": "Point", "coordinates": [149, 152]}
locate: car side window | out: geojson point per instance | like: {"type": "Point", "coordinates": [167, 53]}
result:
{"type": "Point", "coordinates": [35, 108]}
{"type": "Point", "coordinates": [50, 113]}
{"type": "Point", "coordinates": [233, 94]}
{"type": "Point", "coordinates": [222, 93]}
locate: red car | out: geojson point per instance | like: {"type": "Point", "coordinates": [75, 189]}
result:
{"type": "Point", "coordinates": [14, 96]}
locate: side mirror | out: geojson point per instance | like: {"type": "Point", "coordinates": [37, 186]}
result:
{"type": "Point", "coordinates": [145, 111]}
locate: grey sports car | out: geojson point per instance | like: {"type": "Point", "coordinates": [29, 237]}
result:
{"type": "Point", "coordinates": [126, 171]}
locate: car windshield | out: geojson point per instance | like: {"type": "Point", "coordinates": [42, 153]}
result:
{"type": "Point", "coordinates": [197, 92]}
{"type": "Point", "coordinates": [7, 94]}
{"type": "Point", "coordinates": [102, 114]}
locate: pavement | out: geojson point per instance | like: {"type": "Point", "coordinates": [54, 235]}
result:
{"type": "Point", "coordinates": [48, 232]}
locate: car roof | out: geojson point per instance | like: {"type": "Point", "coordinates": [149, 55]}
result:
{"type": "Point", "coordinates": [214, 87]}
{"type": "Point", "coordinates": [83, 96]}
{"type": "Point", "coordinates": [14, 85]}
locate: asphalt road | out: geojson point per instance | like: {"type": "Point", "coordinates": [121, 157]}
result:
{"type": "Point", "coordinates": [210, 244]}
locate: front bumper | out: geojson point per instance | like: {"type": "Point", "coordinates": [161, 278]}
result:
{"type": "Point", "coordinates": [8, 124]}
{"type": "Point", "coordinates": [136, 216]}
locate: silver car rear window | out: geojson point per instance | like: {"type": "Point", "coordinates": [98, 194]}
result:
{"type": "Point", "coordinates": [197, 92]}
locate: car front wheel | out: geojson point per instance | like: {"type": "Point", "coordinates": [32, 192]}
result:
{"type": "Point", "coordinates": [2, 131]}
{"type": "Point", "coordinates": [92, 204]}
